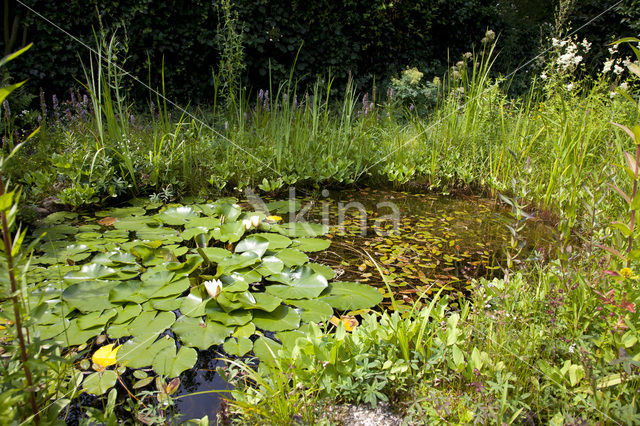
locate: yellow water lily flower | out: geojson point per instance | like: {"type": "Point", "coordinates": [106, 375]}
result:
{"type": "Point", "coordinates": [105, 356]}
{"type": "Point", "coordinates": [274, 218]}
{"type": "Point", "coordinates": [214, 287]}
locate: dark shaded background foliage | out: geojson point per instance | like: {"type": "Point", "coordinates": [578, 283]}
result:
{"type": "Point", "coordinates": [366, 38]}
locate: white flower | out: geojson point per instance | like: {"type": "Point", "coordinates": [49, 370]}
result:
{"type": "Point", "coordinates": [569, 87]}
{"type": "Point", "coordinates": [618, 69]}
{"type": "Point", "coordinates": [543, 75]}
{"type": "Point", "coordinates": [607, 66]}
{"type": "Point", "coordinates": [624, 86]}
{"type": "Point", "coordinates": [586, 45]}
{"type": "Point", "coordinates": [252, 222]}
{"type": "Point", "coordinates": [612, 94]}
{"type": "Point", "coordinates": [214, 287]}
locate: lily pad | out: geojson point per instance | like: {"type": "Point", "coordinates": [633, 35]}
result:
{"type": "Point", "coordinates": [311, 244]}
{"type": "Point", "coordinates": [237, 346]}
{"type": "Point", "coordinates": [312, 310]}
{"type": "Point", "coordinates": [88, 296]}
{"type": "Point", "coordinates": [280, 319]}
{"type": "Point", "coordinates": [168, 363]}
{"type": "Point", "coordinates": [253, 244]}
{"type": "Point", "coordinates": [292, 257]}
{"type": "Point", "coordinates": [200, 334]}
{"type": "Point", "coordinates": [178, 215]}
{"type": "Point", "coordinates": [352, 296]}
{"type": "Point", "coordinates": [99, 382]}
{"type": "Point", "coordinates": [276, 241]}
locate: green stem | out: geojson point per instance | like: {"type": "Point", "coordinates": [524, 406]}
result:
{"type": "Point", "coordinates": [16, 310]}
{"type": "Point", "coordinates": [633, 211]}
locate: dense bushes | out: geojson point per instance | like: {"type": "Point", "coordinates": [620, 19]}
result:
{"type": "Point", "coordinates": [365, 38]}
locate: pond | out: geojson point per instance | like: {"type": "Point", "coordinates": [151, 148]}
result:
{"type": "Point", "coordinates": [439, 241]}
{"type": "Point", "coordinates": [103, 283]}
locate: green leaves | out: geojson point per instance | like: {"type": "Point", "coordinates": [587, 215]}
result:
{"type": "Point", "coordinates": [301, 283]}
{"type": "Point", "coordinates": [352, 296]}
{"type": "Point", "coordinates": [100, 382]}
{"type": "Point", "coordinates": [168, 363]}
{"type": "Point", "coordinates": [200, 334]}
{"type": "Point", "coordinates": [281, 319]}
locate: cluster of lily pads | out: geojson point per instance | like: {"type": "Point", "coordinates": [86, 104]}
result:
{"type": "Point", "coordinates": [163, 281]}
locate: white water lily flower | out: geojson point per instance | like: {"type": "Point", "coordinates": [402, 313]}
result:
{"type": "Point", "coordinates": [214, 287]}
{"type": "Point", "coordinates": [252, 222]}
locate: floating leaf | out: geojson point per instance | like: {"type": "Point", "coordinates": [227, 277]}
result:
{"type": "Point", "coordinates": [95, 319]}
{"type": "Point", "coordinates": [292, 257]}
{"type": "Point", "coordinates": [168, 363]}
{"type": "Point", "coordinates": [150, 324]}
{"type": "Point", "coordinates": [351, 296]}
{"type": "Point", "coordinates": [100, 382]}
{"type": "Point", "coordinates": [92, 271]}
{"type": "Point", "coordinates": [312, 310]}
{"type": "Point", "coordinates": [276, 241]}
{"type": "Point", "coordinates": [200, 334]}
{"type": "Point", "coordinates": [253, 244]}
{"type": "Point", "coordinates": [238, 347]}
{"type": "Point", "coordinates": [229, 232]}
{"type": "Point", "coordinates": [301, 283]}
{"type": "Point", "coordinates": [139, 352]}
{"type": "Point", "coordinates": [301, 229]}
{"type": "Point", "coordinates": [178, 215]}
{"type": "Point", "coordinates": [89, 296]}
{"type": "Point", "coordinates": [311, 244]}
{"type": "Point", "coordinates": [280, 319]}
{"type": "Point", "coordinates": [236, 261]}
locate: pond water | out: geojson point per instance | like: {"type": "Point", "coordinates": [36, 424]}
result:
{"type": "Point", "coordinates": [434, 241]}
{"type": "Point", "coordinates": [101, 281]}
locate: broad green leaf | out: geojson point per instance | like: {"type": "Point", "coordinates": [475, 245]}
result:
{"type": "Point", "coordinates": [312, 310]}
{"type": "Point", "coordinates": [178, 215]}
{"type": "Point", "coordinates": [292, 257]}
{"type": "Point", "coordinates": [253, 244]}
{"type": "Point", "coordinates": [235, 262]}
{"type": "Point", "coordinates": [95, 319]}
{"type": "Point", "coordinates": [216, 313]}
{"type": "Point", "coordinates": [139, 352]}
{"type": "Point", "coordinates": [281, 319]}
{"type": "Point", "coordinates": [270, 265]}
{"type": "Point", "coordinates": [89, 296]}
{"type": "Point", "coordinates": [229, 232]}
{"type": "Point", "coordinates": [100, 382]}
{"type": "Point", "coordinates": [349, 296]}
{"type": "Point", "coordinates": [301, 229]}
{"type": "Point", "coordinates": [301, 283]}
{"type": "Point", "coordinates": [311, 244]}
{"type": "Point", "coordinates": [214, 254]}
{"type": "Point", "coordinates": [267, 350]}
{"type": "Point", "coordinates": [276, 241]}
{"type": "Point", "coordinates": [91, 271]}
{"type": "Point", "coordinates": [170, 364]}
{"type": "Point", "coordinates": [237, 347]}
{"type": "Point", "coordinates": [150, 324]}
{"type": "Point", "coordinates": [200, 334]}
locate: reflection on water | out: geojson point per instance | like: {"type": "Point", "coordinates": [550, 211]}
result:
{"type": "Point", "coordinates": [202, 379]}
